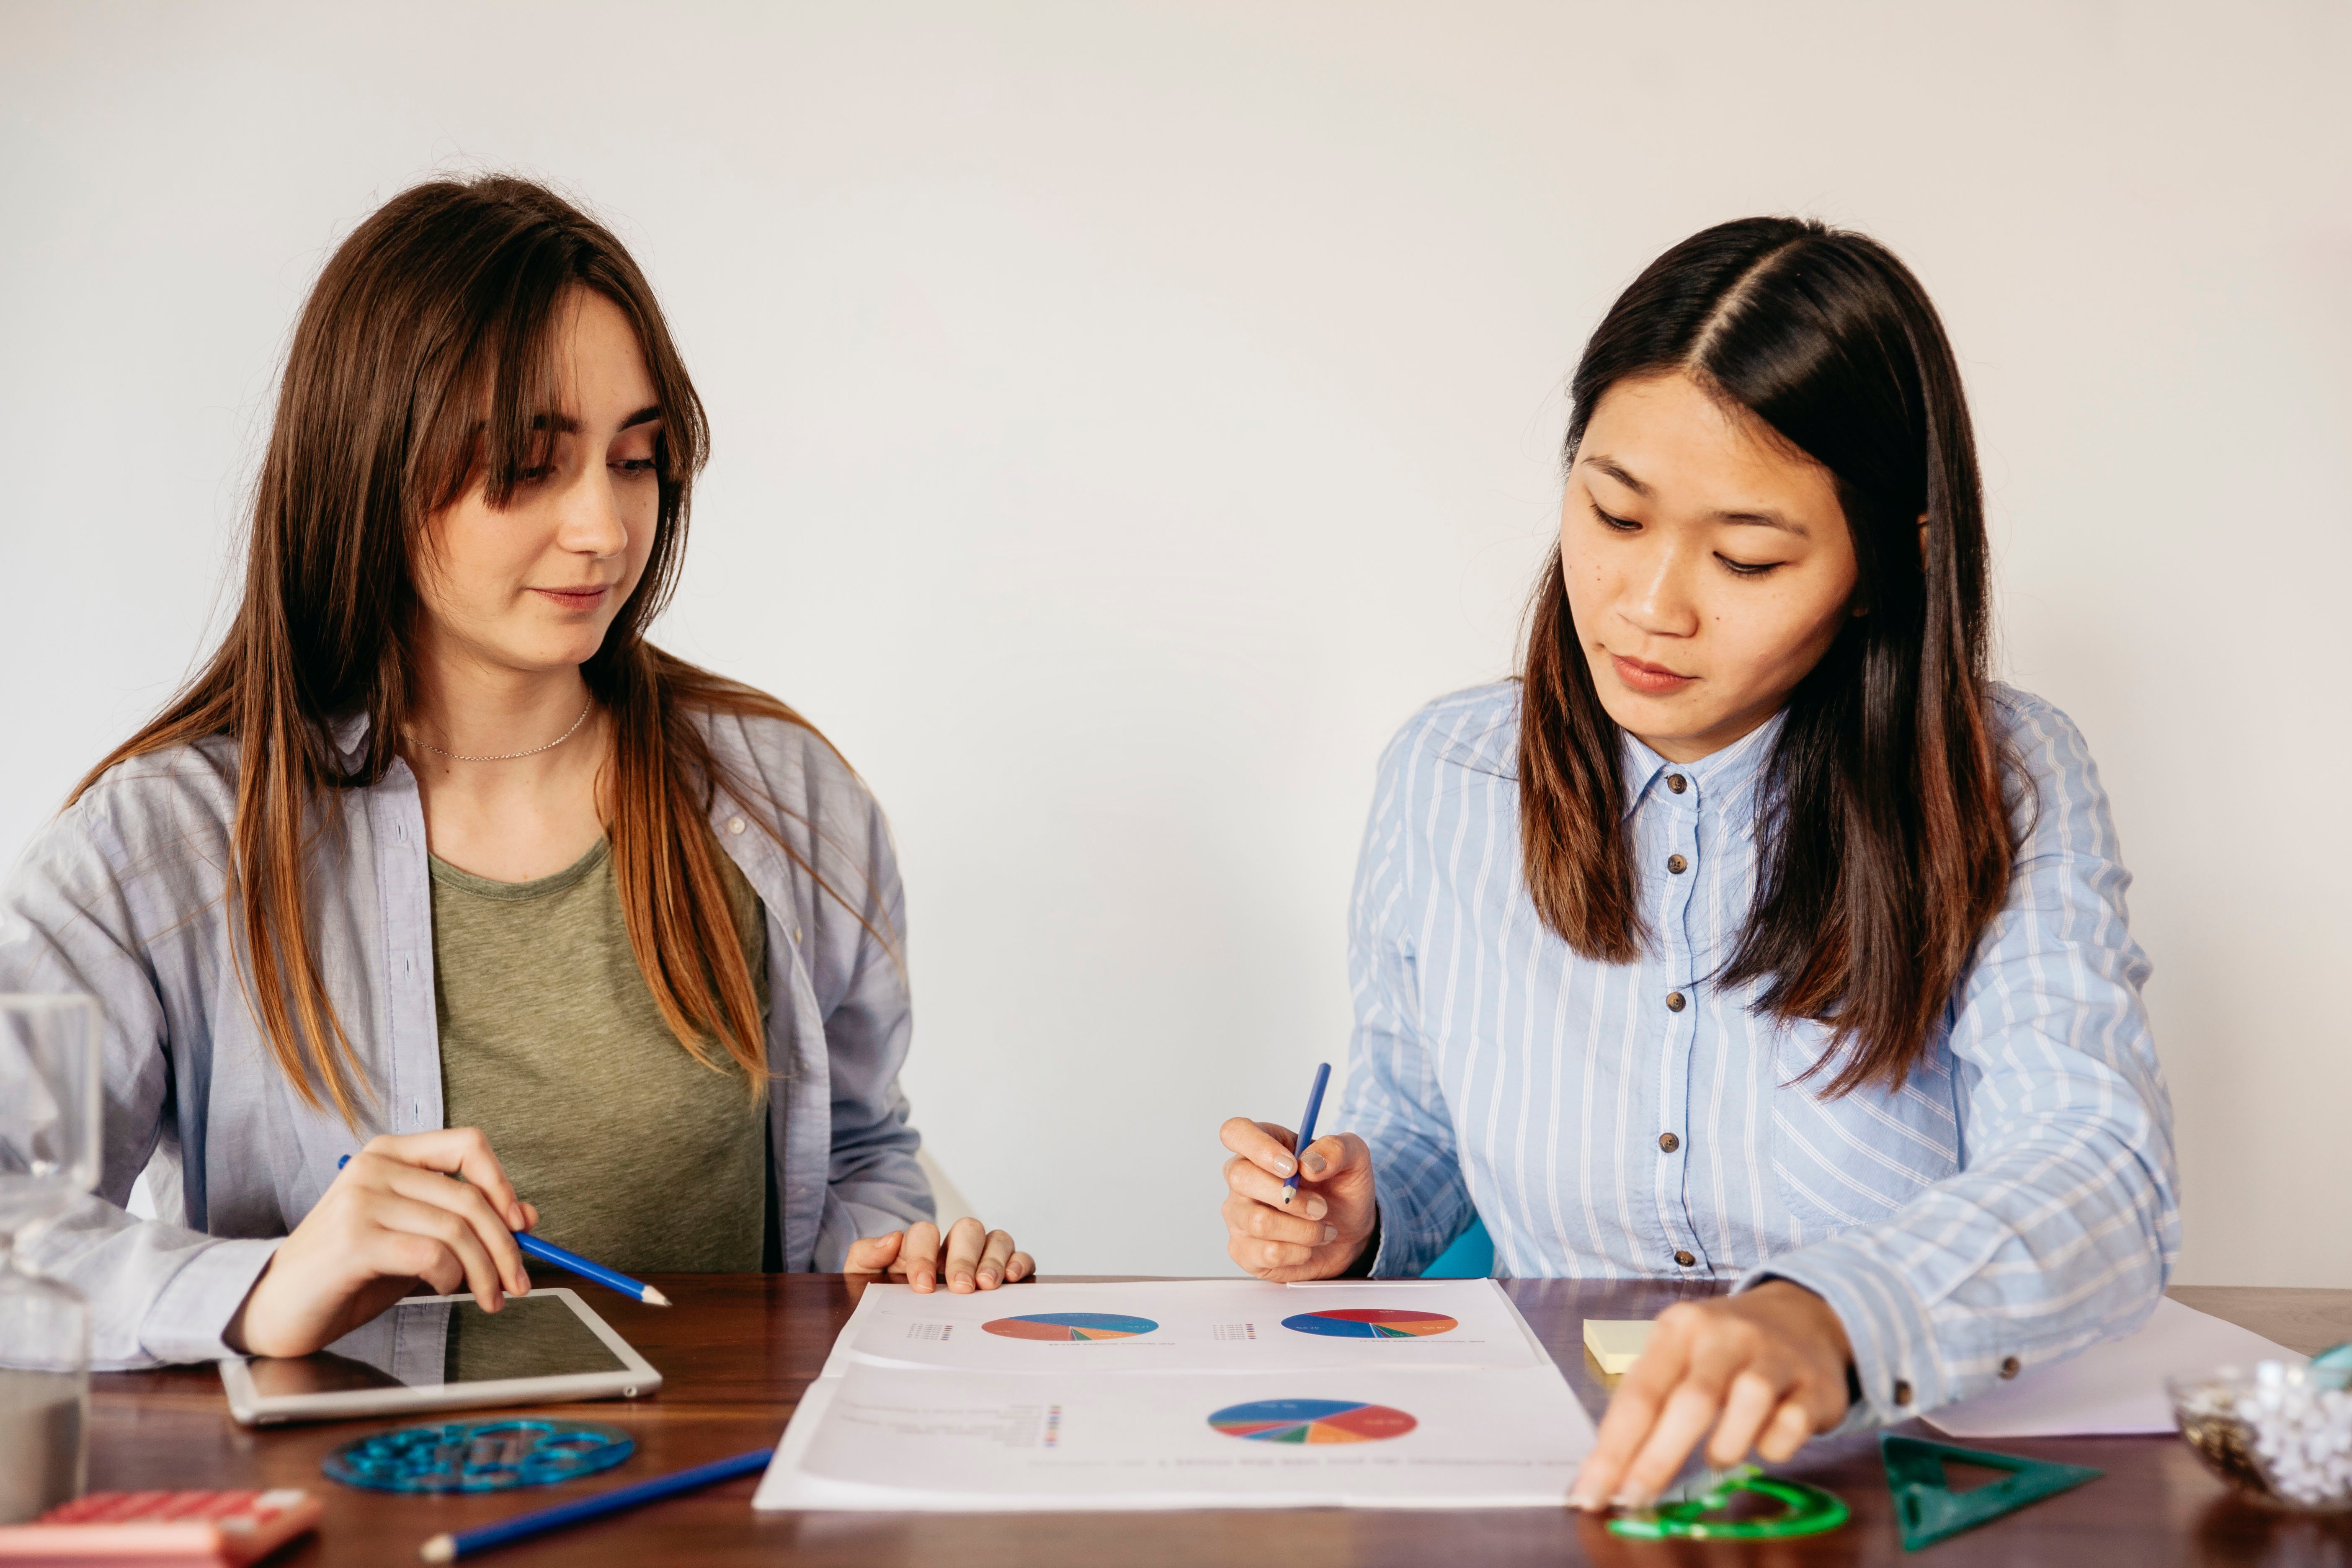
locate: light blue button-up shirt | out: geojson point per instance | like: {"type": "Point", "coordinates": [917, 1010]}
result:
{"type": "Point", "coordinates": [2015, 1198]}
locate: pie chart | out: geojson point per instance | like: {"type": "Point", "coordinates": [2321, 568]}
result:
{"type": "Point", "coordinates": [1312, 1421]}
{"type": "Point", "coordinates": [1069, 1326]}
{"type": "Point", "coordinates": [1372, 1323]}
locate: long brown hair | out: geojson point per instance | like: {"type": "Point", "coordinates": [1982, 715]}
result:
{"type": "Point", "coordinates": [1887, 831]}
{"type": "Point", "coordinates": [444, 304]}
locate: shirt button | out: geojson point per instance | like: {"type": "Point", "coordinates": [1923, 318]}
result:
{"type": "Point", "coordinates": [1684, 1258]}
{"type": "Point", "coordinates": [1677, 865]}
{"type": "Point", "coordinates": [1674, 1001]}
{"type": "Point", "coordinates": [797, 936]}
{"type": "Point", "coordinates": [2009, 1366]}
{"type": "Point", "coordinates": [734, 824]}
{"type": "Point", "coordinates": [1902, 1392]}
{"type": "Point", "coordinates": [1669, 1143]}
{"type": "Point", "coordinates": [1676, 782]}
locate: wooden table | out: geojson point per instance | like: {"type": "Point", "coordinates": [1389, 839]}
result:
{"type": "Point", "coordinates": [738, 1350]}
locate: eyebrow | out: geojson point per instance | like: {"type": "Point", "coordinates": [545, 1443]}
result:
{"type": "Point", "coordinates": [1617, 471]}
{"type": "Point", "coordinates": [565, 425]}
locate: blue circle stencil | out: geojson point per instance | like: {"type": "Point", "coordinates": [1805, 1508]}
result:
{"type": "Point", "coordinates": [478, 1456]}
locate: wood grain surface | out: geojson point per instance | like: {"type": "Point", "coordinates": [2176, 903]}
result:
{"type": "Point", "coordinates": [736, 1350]}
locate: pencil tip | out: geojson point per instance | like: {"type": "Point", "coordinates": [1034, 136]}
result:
{"type": "Point", "coordinates": [440, 1549]}
{"type": "Point", "coordinates": [654, 1298]}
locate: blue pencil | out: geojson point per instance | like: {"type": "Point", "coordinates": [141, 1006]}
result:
{"type": "Point", "coordinates": [1307, 1126]}
{"type": "Point", "coordinates": [448, 1548]}
{"type": "Point", "coordinates": [548, 1252]}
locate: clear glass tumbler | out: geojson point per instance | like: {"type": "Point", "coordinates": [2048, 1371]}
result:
{"type": "Point", "coordinates": [48, 1157]}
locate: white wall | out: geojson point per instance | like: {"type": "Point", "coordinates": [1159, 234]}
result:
{"type": "Point", "coordinates": [1126, 417]}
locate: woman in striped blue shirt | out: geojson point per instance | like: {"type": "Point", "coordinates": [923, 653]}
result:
{"type": "Point", "coordinates": [1754, 933]}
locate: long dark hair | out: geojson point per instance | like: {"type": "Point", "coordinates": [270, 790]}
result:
{"type": "Point", "coordinates": [440, 309]}
{"type": "Point", "coordinates": [1886, 833]}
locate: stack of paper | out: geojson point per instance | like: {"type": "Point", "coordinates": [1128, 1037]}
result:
{"type": "Point", "coordinates": [1183, 1394]}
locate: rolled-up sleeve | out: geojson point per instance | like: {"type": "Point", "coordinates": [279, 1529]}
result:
{"type": "Point", "coordinates": [72, 920]}
{"type": "Point", "coordinates": [1394, 1100]}
{"type": "Point", "coordinates": [2062, 1224]}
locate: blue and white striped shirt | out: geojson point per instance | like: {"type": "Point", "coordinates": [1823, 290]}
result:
{"type": "Point", "coordinates": [2015, 1199]}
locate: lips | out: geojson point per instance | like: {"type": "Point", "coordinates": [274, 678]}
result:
{"type": "Point", "coordinates": [1650, 680]}
{"type": "Point", "coordinates": [586, 598]}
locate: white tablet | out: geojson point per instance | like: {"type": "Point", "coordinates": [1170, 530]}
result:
{"type": "Point", "coordinates": [443, 1353]}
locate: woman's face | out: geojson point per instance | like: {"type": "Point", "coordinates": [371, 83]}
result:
{"type": "Point", "coordinates": [1707, 564]}
{"type": "Point", "coordinates": [532, 587]}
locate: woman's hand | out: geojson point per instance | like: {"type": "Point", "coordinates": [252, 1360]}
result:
{"type": "Point", "coordinates": [394, 1215]}
{"type": "Point", "coordinates": [977, 1259]}
{"type": "Point", "coordinates": [1324, 1226]}
{"type": "Point", "coordinates": [1765, 1368]}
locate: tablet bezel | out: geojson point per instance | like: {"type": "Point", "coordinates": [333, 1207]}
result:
{"type": "Point", "coordinates": [632, 1379]}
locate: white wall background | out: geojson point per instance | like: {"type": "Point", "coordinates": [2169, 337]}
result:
{"type": "Point", "coordinates": [1126, 415]}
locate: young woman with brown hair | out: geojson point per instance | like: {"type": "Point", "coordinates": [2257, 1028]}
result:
{"type": "Point", "coordinates": [1754, 934]}
{"type": "Point", "coordinates": [439, 863]}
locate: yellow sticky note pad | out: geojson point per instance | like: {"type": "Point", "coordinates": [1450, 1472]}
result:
{"type": "Point", "coordinates": [1615, 1344]}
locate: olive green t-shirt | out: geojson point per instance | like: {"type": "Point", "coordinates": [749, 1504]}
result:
{"type": "Point", "coordinates": [635, 1154]}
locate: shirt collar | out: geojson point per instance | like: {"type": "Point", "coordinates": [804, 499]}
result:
{"type": "Point", "coordinates": [1717, 775]}
{"type": "Point", "coordinates": [348, 733]}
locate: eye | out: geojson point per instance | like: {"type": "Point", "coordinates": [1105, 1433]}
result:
{"type": "Point", "coordinates": [1614, 524]}
{"type": "Point", "coordinates": [537, 474]}
{"type": "Point", "coordinates": [1750, 568]}
{"type": "Point", "coordinates": [635, 465]}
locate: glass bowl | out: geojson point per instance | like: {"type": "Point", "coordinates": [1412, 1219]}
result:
{"type": "Point", "coordinates": [2281, 1433]}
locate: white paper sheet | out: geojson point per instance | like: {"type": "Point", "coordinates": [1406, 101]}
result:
{"type": "Point", "coordinates": [920, 1438]}
{"type": "Point", "coordinates": [1192, 1325]}
{"type": "Point", "coordinates": [2114, 1388]}
{"type": "Point", "coordinates": [1175, 1416]}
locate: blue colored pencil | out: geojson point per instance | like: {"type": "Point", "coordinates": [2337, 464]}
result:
{"type": "Point", "coordinates": [548, 1252]}
{"type": "Point", "coordinates": [448, 1548]}
{"type": "Point", "coordinates": [1306, 1127]}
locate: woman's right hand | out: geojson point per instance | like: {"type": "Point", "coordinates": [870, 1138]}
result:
{"type": "Point", "coordinates": [1324, 1226]}
{"type": "Point", "coordinates": [394, 1215]}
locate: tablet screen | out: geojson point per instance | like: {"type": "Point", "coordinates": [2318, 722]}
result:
{"type": "Point", "coordinates": [421, 1344]}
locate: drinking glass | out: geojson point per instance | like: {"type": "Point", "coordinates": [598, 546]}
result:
{"type": "Point", "coordinates": [49, 1157]}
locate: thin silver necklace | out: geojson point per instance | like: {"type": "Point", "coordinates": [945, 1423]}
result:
{"type": "Point", "coordinates": [510, 756]}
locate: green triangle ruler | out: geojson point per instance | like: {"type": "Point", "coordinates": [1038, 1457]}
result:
{"type": "Point", "coordinates": [1928, 1510]}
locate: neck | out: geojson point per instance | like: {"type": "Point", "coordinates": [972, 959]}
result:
{"type": "Point", "coordinates": [474, 709]}
{"type": "Point", "coordinates": [1693, 748]}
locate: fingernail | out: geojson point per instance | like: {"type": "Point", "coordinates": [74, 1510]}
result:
{"type": "Point", "coordinates": [1282, 1164]}
{"type": "Point", "coordinates": [1317, 1208]}
{"type": "Point", "coordinates": [1315, 1164]}
{"type": "Point", "coordinates": [988, 1278]}
{"type": "Point", "coordinates": [963, 1281]}
{"type": "Point", "coordinates": [1585, 1504]}
{"type": "Point", "coordinates": [1330, 1232]}
{"type": "Point", "coordinates": [1627, 1499]}
{"type": "Point", "coordinates": [923, 1281]}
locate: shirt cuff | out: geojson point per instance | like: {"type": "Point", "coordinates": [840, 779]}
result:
{"type": "Point", "coordinates": [1894, 1343]}
{"type": "Point", "coordinates": [187, 1318]}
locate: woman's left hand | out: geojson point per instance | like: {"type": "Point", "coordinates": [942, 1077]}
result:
{"type": "Point", "coordinates": [1765, 1368]}
{"type": "Point", "coordinates": [976, 1258]}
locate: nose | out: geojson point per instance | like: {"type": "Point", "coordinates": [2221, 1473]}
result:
{"type": "Point", "coordinates": [1657, 600]}
{"type": "Point", "coordinates": [593, 523]}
